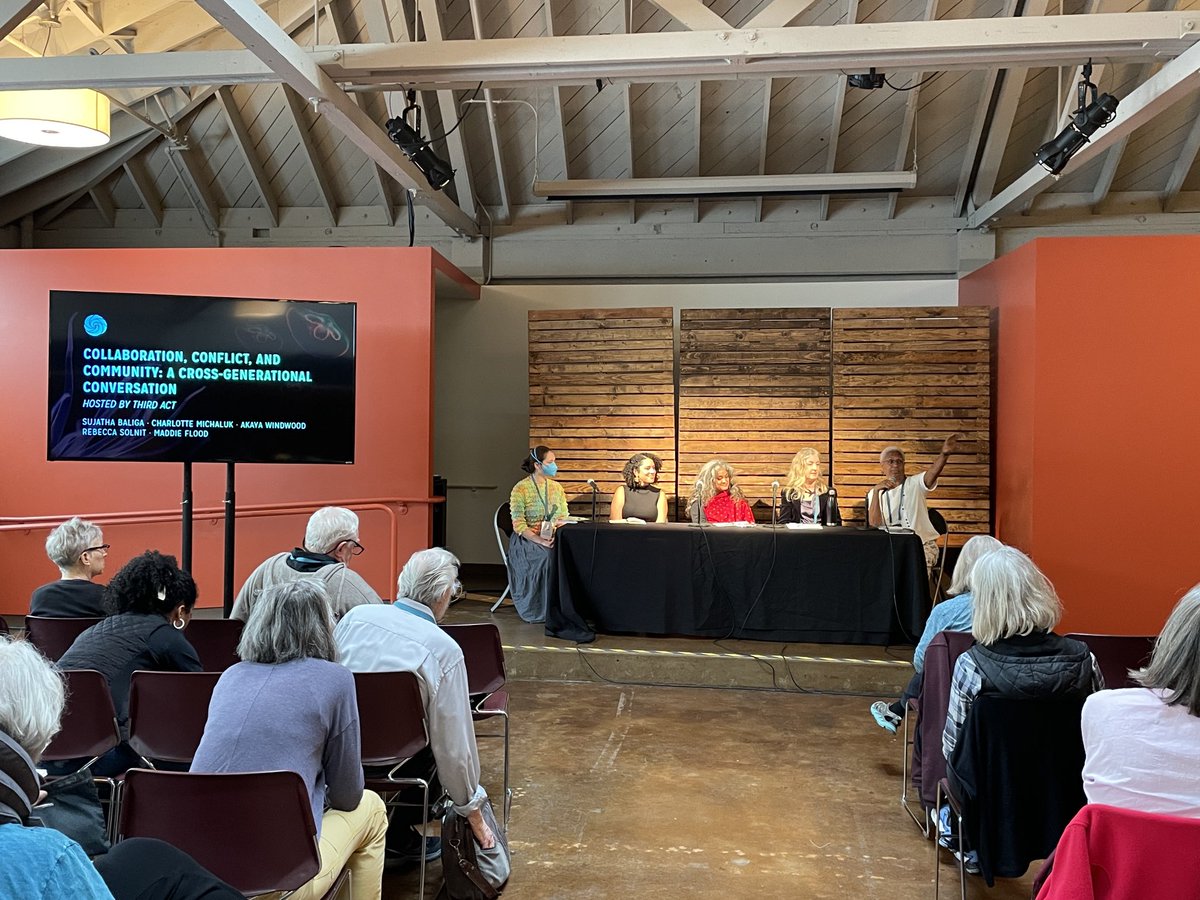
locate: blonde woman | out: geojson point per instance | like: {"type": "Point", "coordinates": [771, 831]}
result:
{"type": "Point", "coordinates": [716, 496]}
{"type": "Point", "coordinates": [806, 495]}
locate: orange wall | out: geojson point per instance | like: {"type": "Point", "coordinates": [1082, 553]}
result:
{"type": "Point", "coordinates": [393, 458]}
{"type": "Point", "coordinates": [1096, 422]}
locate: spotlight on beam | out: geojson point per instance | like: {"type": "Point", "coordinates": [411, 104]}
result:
{"type": "Point", "coordinates": [866, 81]}
{"type": "Point", "coordinates": [1090, 115]}
{"type": "Point", "coordinates": [408, 138]}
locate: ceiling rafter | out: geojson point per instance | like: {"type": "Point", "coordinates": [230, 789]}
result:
{"type": "Point", "coordinates": [779, 14]}
{"type": "Point", "coordinates": [505, 213]}
{"type": "Point", "coordinates": [835, 129]}
{"type": "Point", "coordinates": [1171, 83]}
{"type": "Point", "coordinates": [93, 27]}
{"type": "Point", "coordinates": [14, 12]}
{"type": "Point", "coordinates": [568, 209]}
{"type": "Point", "coordinates": [102, 197]}
{"type": "Point", "coordinates": [143, 184]}
{"type": "Point", "coordinates": [908, 125]}
{"type": "Point", "coordinates": [271, 44]}
{"type": "Point", "coordinates": [1183, 165]}
{"type": "Point", "coordinates": [187, 167]}
{"type": "Point", "coordinates": [460, 161]}
{"type": "Point", "coordinates": [245, 145]}
{"type": "Point", "coordinates": [691, 14]}
{"type": "Point", "coordinates": [295, 107]}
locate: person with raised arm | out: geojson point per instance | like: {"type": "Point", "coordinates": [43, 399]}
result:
{"type": "Point", "coordinates": [898, 501]}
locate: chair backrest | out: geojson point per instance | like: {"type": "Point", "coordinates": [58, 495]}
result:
{"type": "Point", "coordinates": [928, 763]}
{"type": "Point", "coordinates": [483, 653]}
{"type": "Point", "coordinates": [89, 722]}
{"type": "Point", "coordinates": [215, 641]}
{"type": "Point", "coordinates": [504, 528]}
{"type": "Point", "coordinates": [938, 521]}
{"type": "Point", "coordinates": [391, 717]}
{"type": "Point", "coordinates": [54, 637]}
{"type": "Point", "coordinates": [1018, 768]}
{"type": "Point", "coordinates": [4, 626]}
{"type": "Point", "coordinates": [254, 830]}
{"type": "Point", "coordinates": [1116, 654]}
{"type": "Point", "coordinates": [1128, 854]}
{"type": "Point", "coordinates": [167, 713]}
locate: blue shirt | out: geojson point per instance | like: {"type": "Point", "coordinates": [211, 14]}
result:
{"type": "Point", "coordinates": [954, 614]}
{"type": "Point", "coordinates": [44, 864]}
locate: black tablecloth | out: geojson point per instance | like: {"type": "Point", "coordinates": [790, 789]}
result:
{"type": "Point", "coordinates": [837, 585]}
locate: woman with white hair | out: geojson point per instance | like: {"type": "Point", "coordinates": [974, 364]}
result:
{"type": "Point", "coordinates": [45, 864]}
{"type": "Point", "coordinates": [1143, 743]}
{"type": "Point", "coordinates": [289, 705]}
{"type": "Point", "coordinates": [1016, 653]}
{"type": "Point", "coordinates": [954, 614]}
{"type": "Point", "coordinates": [716, 496]}
{"type": "Point", "coordinates": [77, 547]}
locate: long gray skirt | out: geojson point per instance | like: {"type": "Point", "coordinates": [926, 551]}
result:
{"type": "Point", "coordinates": [529, 575]}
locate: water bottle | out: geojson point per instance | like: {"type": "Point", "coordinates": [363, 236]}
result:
{"type": "Point", "coordinates": [830, 519]}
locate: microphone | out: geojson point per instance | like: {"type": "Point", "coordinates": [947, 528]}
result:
{"type": "Point", "coordinates": [592, 484]}
{"type": "Point", "coordinates": [774, 507]}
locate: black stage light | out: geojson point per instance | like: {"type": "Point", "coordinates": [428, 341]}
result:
{"type": "Point", "coordinates": [436, 170]}
{"type": "Point", "coordinates": [1054, 155]}
{"type": "Point", "coordinates": [867, 81]}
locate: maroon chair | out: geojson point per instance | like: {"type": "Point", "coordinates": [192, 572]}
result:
{"type": "Point", "coordinates": [167, 714]}
{"type": "Point", "coordinates": [484, 657]}
{"type": "Point", "coordinates": [253, 830]}
{"type": "Point", "coordinates": [54, 637]}
{"type": "Point", "coordinates": [928, 715]}
{"type": "Point", "coordinates": [391, 723]}
{"type": "Point", "coordinates": [4, 626]}
{"type": "Point", "coordinates": [215, 641]}
{"type": "Point", "coordinates": [1116, 654]}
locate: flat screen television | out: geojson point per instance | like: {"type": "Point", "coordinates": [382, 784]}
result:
{"type": "Point", "coordinates": [161, 378]}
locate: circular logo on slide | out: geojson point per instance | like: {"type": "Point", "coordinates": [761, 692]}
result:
{"type": "Point", "coordinates": [95, 325]}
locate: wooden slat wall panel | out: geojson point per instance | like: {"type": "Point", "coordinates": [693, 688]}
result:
{"type": "Point", "coordinates": [754, 387]}
{"type": "Point", "coordinates": [601, 388]}
{"type": "Point", "coordinates": [910, 377]}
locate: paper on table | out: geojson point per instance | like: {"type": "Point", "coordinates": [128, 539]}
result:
{"type": "Point", "coordinates": [804, 526]}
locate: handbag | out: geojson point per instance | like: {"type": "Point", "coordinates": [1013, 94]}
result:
{"type": "Point", "coordinates": [469, 871]}
{"type": "Point", "coordinates": [72, 806]}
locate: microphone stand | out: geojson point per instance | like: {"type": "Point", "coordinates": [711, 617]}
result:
{"type": "Point", "coordinates": [774, 505]}
{"type": "Point", "coordinates": [592, 484]}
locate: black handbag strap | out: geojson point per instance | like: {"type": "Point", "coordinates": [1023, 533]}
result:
{"type": "Point", "coordinates": [18, 782]}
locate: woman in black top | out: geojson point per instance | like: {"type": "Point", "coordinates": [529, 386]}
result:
{"type": "Point", "coordinates": [806, 496]}
{"type": "Point", "coordinates": [638, 500]}
{"type": "Point", "coordinates": [149, 604]}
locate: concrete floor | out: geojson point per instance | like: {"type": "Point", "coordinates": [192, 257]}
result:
{"type": "Point", "coordinates": [649, 792]}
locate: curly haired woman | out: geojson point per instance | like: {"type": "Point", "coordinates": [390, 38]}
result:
{"type": "Point", "coordinates": [638, 500]}
{"type": "Point", "coordinates": [716, 496]}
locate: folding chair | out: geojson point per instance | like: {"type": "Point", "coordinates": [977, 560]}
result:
{"type": "Point", "coordinates": [484, 656]}
{"type": "Point", "coordinates": [215, 642]}
{"type": "Point", "coordinates": [89, 727]}
{"type": "Point", "coordinates": [391, 721]}
{"type": "Point", "coordinates": [922, 765]}
{"type": "Point", "coordinates": [253, 830]}
{"type": "Point", "coordinates": [54, 637]}
{"type": "Point", "coordinates": [1013, 783]}
{"type": "Point", "coordinates": [167, 714]}
{"type": "Point", "coordinates": [938, 521]}
{"type": "Point", "coordinates": [502, 523]}
{"type": "Point", "coordinates": [1116, 654]}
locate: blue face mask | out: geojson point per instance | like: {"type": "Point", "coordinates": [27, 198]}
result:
{"type": "Point", "coordinates": [550, 469]}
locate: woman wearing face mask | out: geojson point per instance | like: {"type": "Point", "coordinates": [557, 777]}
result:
{"type": "Point", "coordinates": [538, 506]}
{"type": "Point", "coordinates": [638, 500]}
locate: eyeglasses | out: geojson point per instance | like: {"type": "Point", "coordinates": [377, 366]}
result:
{"type": "Point", "coordinates": [103, 547]}
{"type": "Point", "coordinates": [456, 590]}
{"type": "Point", "coordinates": [356, 548]}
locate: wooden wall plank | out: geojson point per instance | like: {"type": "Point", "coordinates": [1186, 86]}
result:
{"type": "Point", "coordinates": [911, 376]}
{"type": "Point", "coordinates": [602, 387]}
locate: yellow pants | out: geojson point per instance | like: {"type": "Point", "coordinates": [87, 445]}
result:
{"type": "Point", "coordinates": [350, 840]}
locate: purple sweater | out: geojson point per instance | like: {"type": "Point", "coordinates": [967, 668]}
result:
{"type": "Point", "coordinates": [299, 716]}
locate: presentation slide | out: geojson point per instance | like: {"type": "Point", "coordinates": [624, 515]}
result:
{"type": "Point", "coordinates": [158, 378]}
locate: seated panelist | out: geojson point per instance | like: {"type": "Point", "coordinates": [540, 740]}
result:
{"type": "Point", "coordinates": [716, 496]}
{"type": "Point", "coordinates": [638, 500]}
{"type": "Point", "coordinates": [806, 495]}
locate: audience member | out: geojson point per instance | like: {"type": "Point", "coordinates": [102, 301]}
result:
{"type": "Point", "coordinates": [1016, 654]}
{"type": "Point", "coordinates": [716, 496]}
{"type": "Point", "coordinates": [77, 547]}
{"type": "Point", "coordinates": [149, 602]}
{"type": "Point", "coordinates": [289, 705]}
{"type": "Point", "coordinates": [1143, 743]}
{"type": "Point", "coordinates": [954, 614]}
{"type": "Point", "coordinates": [405, 637]}
{"type": "Point", "coordinates": [638, 500]}
{"type": "Point", "coordinates": [538, 507]}
{"type": "Point", "coordinates": [806, 495]}
{"type": "Point", "coordinates": [898, 501]}
{"type": "Point", "coordinates": [330, 542]}
{"type": "Point", "coordinates": [42, 864]}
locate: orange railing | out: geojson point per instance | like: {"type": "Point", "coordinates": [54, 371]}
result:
{"type": "Point", "coordinates": [393, 507]}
